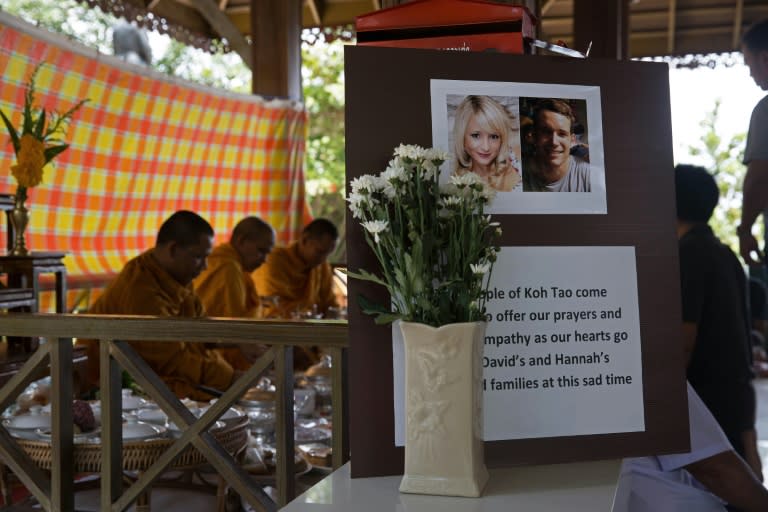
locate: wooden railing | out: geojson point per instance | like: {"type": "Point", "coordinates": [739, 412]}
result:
{"type": "Point", "coordinates": [56, 492]}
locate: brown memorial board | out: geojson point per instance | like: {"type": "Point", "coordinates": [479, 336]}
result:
{"type": "Point", "coordinates": [582, 356]}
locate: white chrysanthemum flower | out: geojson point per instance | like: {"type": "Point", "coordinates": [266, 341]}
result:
{"type": "Point", "coordinates": [390, 192]}
{"type": "Point", "coordinates": [394, 173]}
{"type": "Point", "coordinates": [411, 152]}
{"type": "Point", "coordinates": [365, 183]}
{"type": "Point", "coordinates": [357, 202]}
{"type": "Point", "coordinates": [397, 162]}
{"type": "Point", "coordinates": [488, 193]}
{"type": "Point", "coordinates": [480, 269]}
{"type": "Point", "coordinates": [375, 227]}
{"type": "Point", "coordinates": [465, 180]}
{"type": "Point", "coordinates": [451, 201]}
{"type": "Point", "coordinates": [448, 189]}
{"type": "Point", "coordinates": [433, 154]}
{"type": "Point", "coordinates": [430, 169]}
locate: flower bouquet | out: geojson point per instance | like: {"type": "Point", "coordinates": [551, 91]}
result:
{"type": "Point", "coordinates": [36, 143]}
{"type": "Point", "coordinates": [435, 248]}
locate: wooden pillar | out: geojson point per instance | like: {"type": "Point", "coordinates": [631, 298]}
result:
{"type": "Point", "coordinates": [276, 47]}
{"type": "Point", "coordinates": [605, 24]}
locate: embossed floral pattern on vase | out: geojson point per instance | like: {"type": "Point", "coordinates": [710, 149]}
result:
{"type": "Point", "coordinates": [444, 447]}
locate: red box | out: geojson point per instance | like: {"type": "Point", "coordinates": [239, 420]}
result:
{"type": "Point", "coordinates": [461, 25]}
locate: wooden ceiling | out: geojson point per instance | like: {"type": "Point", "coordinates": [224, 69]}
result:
{"type": "Point", "coordinates": [668, 27]}
{"type": "Point", "coordinates": [657, 27]}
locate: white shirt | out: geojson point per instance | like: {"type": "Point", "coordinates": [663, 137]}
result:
{"type": "Point", "coordinates": [661, 484]}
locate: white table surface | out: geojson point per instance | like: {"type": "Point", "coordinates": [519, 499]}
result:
{"type": "Point", "coordinates": [586, 486]}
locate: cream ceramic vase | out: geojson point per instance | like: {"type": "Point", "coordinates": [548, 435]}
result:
{"type": "Point", "coordinates": [443, 409]}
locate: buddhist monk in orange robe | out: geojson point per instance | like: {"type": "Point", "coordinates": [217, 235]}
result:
{"type": "Point", "coordinates": [159, 282]}
{"type": "Point", "coordinates": [301, 278]}
{"type": "Point", "coordinates": [226, 288]}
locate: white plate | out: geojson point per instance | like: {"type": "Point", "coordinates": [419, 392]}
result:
{"type": "Point", "coordinates": [155, 415]}
{"type": "Point", "coordinates": [83, 437]}
{"type": "Point", "coordinates": [28, 422]}
{"type": "Point", "coordinates": [131, 403]}
{"type": "Point", "coordinates": [175, 431]}
{"type": "Point", "coordinates": [139, 431]}
{"type": "Point", "coordinates": [229, 414]}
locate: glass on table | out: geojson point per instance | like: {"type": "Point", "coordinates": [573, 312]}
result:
{"type": "Point", "coordinates": [336, 313]}
{"type": "Point", "coordinates": [311, 313]}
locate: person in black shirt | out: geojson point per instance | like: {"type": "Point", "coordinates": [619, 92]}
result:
{"type": "Point", "coordinates": [716, 323]}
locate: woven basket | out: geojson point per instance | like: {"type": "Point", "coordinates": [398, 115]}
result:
{"type": "Point", "coordinates": [140, 455]}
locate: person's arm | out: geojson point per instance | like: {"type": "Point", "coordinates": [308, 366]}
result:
{"type": "Point", "coordinates": [728, 477]}
{"type": "Point", "coordinates": [695, 288]}
{"type": "Point", "coordinates": [276, 277]}
{"type": "Point", "coordinates": [690, 330]}
{"type": "Point", "coordinates": [751, 455]}
{"type": "Point", "coordinates": [754, 201]}
{"type": "Point", "coordinates": [327, 295]}
{"type": "Point", "coordinates": [188, 362]}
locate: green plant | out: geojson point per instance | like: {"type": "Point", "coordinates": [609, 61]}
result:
{"type": "Point", "coordinates": [434, 244]}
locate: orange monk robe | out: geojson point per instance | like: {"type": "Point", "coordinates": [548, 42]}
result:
{"type": "Point", "coordinates": [144, 288]}
{"type": "Point", "coordinates": [225, 289]}
{"type": "Point", "coordinates": [297, 285]}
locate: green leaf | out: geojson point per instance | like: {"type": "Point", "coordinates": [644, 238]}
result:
{"type": "Point", "coordinates": [401, 280]}
{"type": "Point", "coordinates": [51, 152]}
{"type": "Point", "coordinates": [27, 123]}
{"type": "Point", "coordinates": [370, 307]}
{"type": "Point", "coordinates": [40, 124]}
{"type": "Point", "coordinates": [386, 318]}
{"type": "Point", "coordinates": [12, 132]}
{"type": "Point", "coordinates": [364, 275]}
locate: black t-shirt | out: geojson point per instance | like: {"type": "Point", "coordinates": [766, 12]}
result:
{"type": "Point", "coordinates": [714, 296]}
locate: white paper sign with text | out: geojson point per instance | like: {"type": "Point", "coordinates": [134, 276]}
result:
{"type": "Point", "coordinates": [562, 353]}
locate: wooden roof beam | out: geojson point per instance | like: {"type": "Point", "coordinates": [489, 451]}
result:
{"type": "Point", "coordinates": [316, 7]}
{"type": "Point", "coordinates": [547, 6]}
{"type": "Point", "coordinates": [738, 18]}
{"type": "Point", "coordinates": [671, 24]}
{"type": "Point", "coordinates": [219, 21]}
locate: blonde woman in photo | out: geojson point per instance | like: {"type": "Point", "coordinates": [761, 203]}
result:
{"type": "Point", "coordinates": [481, 132]}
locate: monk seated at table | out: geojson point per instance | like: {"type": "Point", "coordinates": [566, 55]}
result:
{"type": "Point", "coordinates": [226, 288]}
{"type": "Point", "coordinates": [302, 279]}
{"type": "Point", "coordinates": [159, 282]}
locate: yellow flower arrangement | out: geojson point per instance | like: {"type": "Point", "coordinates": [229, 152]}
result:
{"type": "Point", "coordinates": [38, 141]}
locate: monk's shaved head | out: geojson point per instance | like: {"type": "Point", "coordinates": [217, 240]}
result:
{"type": "Point", "coordinates": [253, 240]}
{"type": "Point", "coordinates": [183, 227]}
{"type": "Point", "coordinates": [184, 242]}
{"type": "Point", "coordinates": [321, 228]}
{"type": "Point", "coordinates": [250, 227]}
{"type": "Point", "coordinates": [318, 241]}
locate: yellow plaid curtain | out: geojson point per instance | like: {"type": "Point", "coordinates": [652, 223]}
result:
{"type": "Point", "coordinates": [143, 147]}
